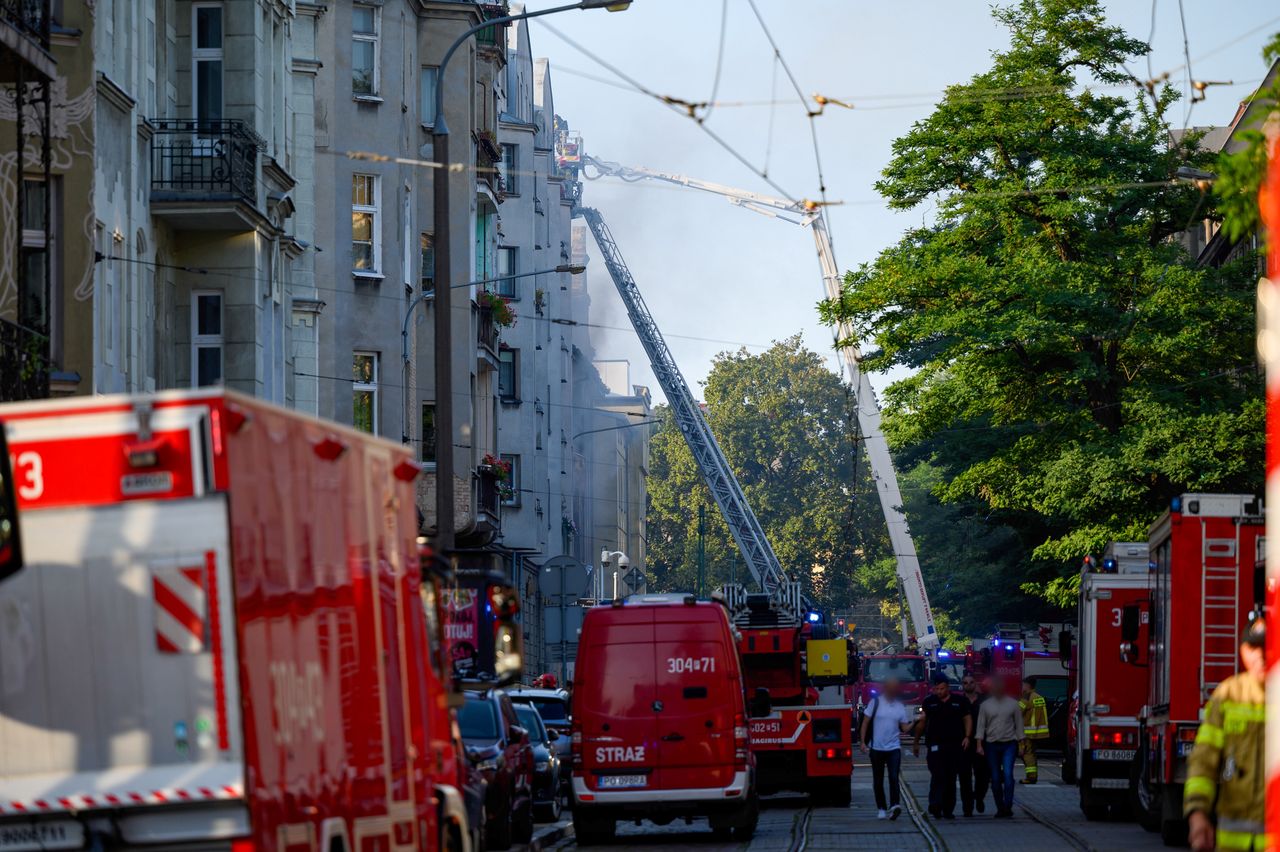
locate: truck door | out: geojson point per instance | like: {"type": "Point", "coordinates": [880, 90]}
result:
{"type": "Point", "coordinates": [696, 701]}
{"type": "Point", "coordinates": [1116, 687]}
{"type": "Point", "coordinates": [616, 709]}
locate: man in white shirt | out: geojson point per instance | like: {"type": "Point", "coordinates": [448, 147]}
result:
{"type": "Point", "coordinates": [887, 719]}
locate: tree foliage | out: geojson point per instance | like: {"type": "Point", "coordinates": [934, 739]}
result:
{"type": "Point", "coordinates": [785, 424]}
{"type": "Point", "coordinates": [1071, 367]}
{"type": "Point", "coordinates": [1240, 172]}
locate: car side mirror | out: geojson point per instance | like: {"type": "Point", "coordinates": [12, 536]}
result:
{"type": "Point", "coordinates": [10, 540]}
{"type": "Point", "coordinates": [552, 735]}
{"type": "Point", "coordinates": [1065, 647]}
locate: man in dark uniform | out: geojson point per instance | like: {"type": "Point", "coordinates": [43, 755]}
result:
{"type": "Point", "coordinates": [975, 777]}
{"type": "Point", "coordinates": [947, 727]}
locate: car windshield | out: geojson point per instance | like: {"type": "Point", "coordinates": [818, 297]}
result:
{"type": "Point", "coordinates": [531, 722]}
{"type": "Point", "coordinates": [880, 669]}
{"type": "Point", "coordinates": [1052, 689]}
{"type": "Point", "coordinates": [478, 720]}
{"type": "Point", "coordinates": [954, 670]}
{"type": "Point", "coordinates": [550, 709]}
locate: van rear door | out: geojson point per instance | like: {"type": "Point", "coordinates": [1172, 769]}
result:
{"type": "Point", "coordinates": [617, 709]}
{"type": "Point", "coordinates": [699, 689]}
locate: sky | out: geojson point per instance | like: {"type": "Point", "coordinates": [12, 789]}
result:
{"type": "Point", "coordinates": [716, 276]}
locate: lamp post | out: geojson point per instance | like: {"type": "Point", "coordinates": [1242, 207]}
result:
{"type": "Point", "coordinates": [571, 268]}
{"type": "Point", "coordinates": [444, 271]}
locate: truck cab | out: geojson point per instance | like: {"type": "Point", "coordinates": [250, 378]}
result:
{"type": "Point", "coordinates": [911, 670]}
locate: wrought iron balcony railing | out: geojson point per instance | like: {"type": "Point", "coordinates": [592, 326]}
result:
{"type": "Point", "coordinates": [24, 363]}
{"type": "Point", "coordinates": [30, 17]}
{"type": "Point", "coordinates": [195, 159]}
{"type": "Point", "coordinates": [487, 330]}
{"type": "Point", "coordinates": [488, 491]}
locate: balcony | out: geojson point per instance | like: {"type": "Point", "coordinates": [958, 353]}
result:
{"type": "Point", "coordinates": [488, 160]}
{"type": "Point", "coordinates": [486, 339]}
{"type": "Point", "coordinates": [24, 363]}
{"type": "Point", "coordinates": [488, 497]}
{"type": "Point", "coordinates": [24, 41]}
{"type": "Point", "coordinates": [204, 174]}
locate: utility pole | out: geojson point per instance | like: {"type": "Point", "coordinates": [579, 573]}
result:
{"type": "Point", "coordinates": [702, 550]}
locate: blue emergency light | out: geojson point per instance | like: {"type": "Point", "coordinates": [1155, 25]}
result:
{"type": "Point", "coordinates": [943, 654]}
{"type": "Point", "coordinates": [1008, 647]}
{"type": "Point", "coordinates": [814, 618]}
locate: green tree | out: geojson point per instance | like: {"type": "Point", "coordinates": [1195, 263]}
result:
{"type": "Point", "coordinates": [1071, 368]}
{"type": "Point", "coordinates": [786, 425]}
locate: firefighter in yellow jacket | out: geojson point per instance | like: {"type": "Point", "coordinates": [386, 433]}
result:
{"type": "Point", "coordinates": [1225, 795]}
{"type": "Point", "coordinates": [1035, 724]}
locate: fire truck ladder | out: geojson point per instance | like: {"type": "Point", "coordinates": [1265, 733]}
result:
{"type": "Point", "coordinates": [1220, 599]}
{"type": "Point", "coordinates": [743, 525]}
{"type": "Point", "coordinates": [880, 461]}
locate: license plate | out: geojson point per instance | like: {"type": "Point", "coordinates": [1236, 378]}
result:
{"type": "Point", "coordinates": [1184, 749]}
{"type": "Point", "coordinates": [1109, 783]}
{"type": "Point", "coordinates": [623, 781]}
{"type": "Point", "coordinates": [1113, 754]}
{"type": "Point", "coordinates": [57, 834]}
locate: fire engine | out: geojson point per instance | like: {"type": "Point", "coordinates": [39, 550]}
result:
{"type": "Point", "coordinates": [1111, 691]}
{"type": "Point", "coordinates": [223, 636]}
{"type": "Point", "coordinates": [1206, 555]}
{"type": "Point", "coordinates": [798, 743]}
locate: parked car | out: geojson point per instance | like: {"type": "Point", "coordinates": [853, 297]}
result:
{"type": "Point", "coordinates": [553, 706]}
{"type": "Point", "coordinates": [500, 749]}
{"type": "Point", "coordinates": [547, 785]}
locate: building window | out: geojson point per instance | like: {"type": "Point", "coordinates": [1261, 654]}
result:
{"type": "Point", "coordinates": [507, 267]}
{"type": "Point", "coordinates": [428, 244]}
{"type": "Point", "coordinates": [365, 248]}
{"type": "Point", "coordinates": [206, 338]}
{"type": "Point", "coordinates": [511, 491]}
{"type": "Point", "coordinates": [508, 364]}
{"type": "Point", "coordinates": [33, 308]}
{"type": "Point", "coordinates": [430, 74]}
{"type": "Point", "coordinates": [206, 62]}
{"type": "Point", "coordinates": [364, 370]}
{"type": "Point", "coordinates": [510, 174]}
{"type": "Point", "coordinates": [364, 50]}
{"type": "Point", "coordinates": [428, 455]}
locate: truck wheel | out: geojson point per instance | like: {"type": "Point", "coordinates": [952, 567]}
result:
{"type": "Point", "coordinates": [591, 830]}
{"type": "Point", "coordinates": [522, 823]}
{"type": "Point", "coordinates": [1173, 828]}
{"type": "Point", "coordinates": [499, 833]}
{"type": "Point", "coordinates": [1144, 799]}
{"type": "Point", "coordinates": [1069, 768]}
{"type": "Point", "coordinates": [746, 829]}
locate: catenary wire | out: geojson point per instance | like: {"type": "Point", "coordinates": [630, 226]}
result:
{"type": "Point", "coordinates": [715, 81]}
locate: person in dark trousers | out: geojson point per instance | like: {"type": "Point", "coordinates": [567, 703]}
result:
{"type": "Point", "coordinates": [975, 777]}
{"type": "Point", "coordinates": [884, 722]}
{"type": "Point", "coordinates": [999, 732]}
{"type": "Point", "coordinates": [947, 728]}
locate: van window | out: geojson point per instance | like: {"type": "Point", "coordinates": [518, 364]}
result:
{"type": "Point", "coordinates": [1052, 689]}
{"type": "Point", "coordinates": [477, 719]}
{"type": "Point", "coordinates": [880, 669]}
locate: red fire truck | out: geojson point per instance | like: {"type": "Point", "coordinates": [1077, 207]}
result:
{"type": "Point", "coordinates": [222, 637]}
{"type": "Point", "coordinates": [798, 743]}
{"type": "Point", "coordinates": [1206, 555]}
{"type": "Point", "coordinates": [1112, 689]}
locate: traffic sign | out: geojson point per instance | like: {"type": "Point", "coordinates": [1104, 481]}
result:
{"type": "Point", "coordinates": [635, 579]}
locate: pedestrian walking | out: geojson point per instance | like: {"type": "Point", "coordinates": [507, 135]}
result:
{"type": "Point", "coordinates": [947, 728]}
{"type": "Point", "coordinates": [1224, 798]}
{"type": "Point", "coordinates": [885, 720]}
{"type": "Point", "coordinates": [1000, 729]}
{"type": "Point", "coordinates": [975, 778]}
{"type": "Point", "coordinates": [1035, 723]}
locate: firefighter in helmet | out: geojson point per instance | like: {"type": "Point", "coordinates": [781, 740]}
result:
{"type": "Point", "coordinates": [1035, 724]}
{"type": "Point", "coordinates": [1224, 798]}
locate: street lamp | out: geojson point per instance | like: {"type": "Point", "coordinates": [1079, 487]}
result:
{"type": "Point", "coordinates": [571, 268]}
{"type": "Point", "coordinates": [444, 270]}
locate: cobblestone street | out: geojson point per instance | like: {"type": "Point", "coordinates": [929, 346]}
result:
{"type": "Point", "coordinates": [1046, 816]}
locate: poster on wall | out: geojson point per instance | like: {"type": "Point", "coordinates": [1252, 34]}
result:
{"type": "Point", "coordinates": [461, 629]}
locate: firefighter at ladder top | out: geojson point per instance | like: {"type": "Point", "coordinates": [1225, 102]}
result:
{"type": "Point", "coordinates": [1035, 724]}
{"type": "Point", "coordinates": [1226, 784]}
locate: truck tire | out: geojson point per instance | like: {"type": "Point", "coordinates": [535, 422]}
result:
{"type": "Point", "coordinates": [1069, 768]}
{"type": "Point", "coordinates": [1144, 799]}
{"type": "Point", "coordinates": [590, 829]}
{"type": "Point", "coordinates": [746, 829]}
{"type": "Point", "coordinates": [1173, 828]}
{"type": "Point", "coordinates": [522, 823]}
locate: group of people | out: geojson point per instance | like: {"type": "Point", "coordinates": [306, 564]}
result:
{"type": "Point", "coordinates": [972, 738]}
